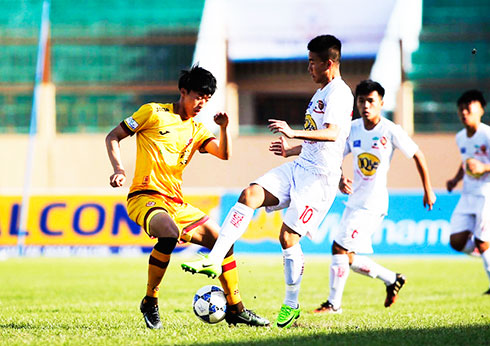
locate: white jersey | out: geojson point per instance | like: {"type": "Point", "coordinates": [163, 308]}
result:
{"type": "Point", "coordinates": [477, 147]}
{"type": "Point", "coordinates": [372, 152]}
{"type": "Point", "coordinates": [330, 105]}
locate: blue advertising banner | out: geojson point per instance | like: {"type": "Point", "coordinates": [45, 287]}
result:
{"type": "Point", "coordinates": [74, 224]}
{"type": "Point", "coordinates": [408, 229]}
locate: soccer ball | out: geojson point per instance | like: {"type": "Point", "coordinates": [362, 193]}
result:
{"type": "Point", "coordinates": [209, 304]}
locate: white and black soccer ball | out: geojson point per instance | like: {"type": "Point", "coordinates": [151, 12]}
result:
{"type": "Point", "coordinates": [209, 304]}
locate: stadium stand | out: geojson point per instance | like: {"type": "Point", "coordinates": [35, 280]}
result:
{"type": "Point", "coordinates": [444, 65]}
{"type": "Point", "coordinates": [110, 57]}
{"type": "Point", "coordinates": [132, 54]}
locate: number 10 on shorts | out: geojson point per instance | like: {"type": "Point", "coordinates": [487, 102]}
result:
{"type": "Point", "coordinates": [306, 215]}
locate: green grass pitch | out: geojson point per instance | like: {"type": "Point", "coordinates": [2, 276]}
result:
{"type": "Point", "coordinates": [94, 301]}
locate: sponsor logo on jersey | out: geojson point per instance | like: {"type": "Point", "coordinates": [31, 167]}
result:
{"type": "Point", "coordinates": [161, 109]}
{"type": "Point", "coordinates": [357, 143]}
{"type": "Point", "coordinates": [367, 163]}
{"type": "Point", "coordinates": [164, 133]}
{"type": "Point", "coordinates": [310, 124]}
{"type": "Point", "coordinates": [463, 150]}
{"type": "Point", "coordinates": [133, 125]}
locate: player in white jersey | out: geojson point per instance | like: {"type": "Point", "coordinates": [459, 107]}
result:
{"type": "Point", "coordinates": [371, 141]}
{"type": "Point", "coordinates": [306, 186]}
{"type": "Point", "coordinates": [470, 222]}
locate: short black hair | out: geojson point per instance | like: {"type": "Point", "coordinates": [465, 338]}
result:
{"type": "Point", "coordinates": [327, 47]}
{"type": "Point", "coordinates": [197, 79]}
{"type": "Point", "coordinates": [367, 86]}
{"type": "Point", "coordinates": [470, 96]}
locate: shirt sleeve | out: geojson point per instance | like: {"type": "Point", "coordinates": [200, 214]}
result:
{"type": "Point", "coordinates": [139, 120]}
{"type": "Point", "coordinates": [339, 107]}
{"type": "Point", "coordinates": [403, 142]}
{"type": "Point", "coordinates": [204, 136]}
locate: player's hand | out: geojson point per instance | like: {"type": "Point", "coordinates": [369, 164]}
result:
{"type": "Point", "coordinates": [475, 167]}
{"type": "Point", "coordinates": [280, 147]}
{"type": "Point", "coordinates": [280, 126]}
{"type": "Point", "coordinates": [345, 185]}
{"type": "Point", "coordinates": [117, 179]}
{"type": "Point", "coordinates": [429, 200]}
{"type": "Point", "coordinates": [221, 119]}
{"type": "Point", "coordinates": [451, 184]}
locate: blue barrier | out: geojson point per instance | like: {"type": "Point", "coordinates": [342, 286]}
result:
{"type": "Point", "coordinates": [408, 229]}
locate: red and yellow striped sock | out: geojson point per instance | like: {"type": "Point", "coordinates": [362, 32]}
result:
{"type": "Point", "coordinates": [229, 280]}
{"type": "Point", "coordinates": [156, 269]}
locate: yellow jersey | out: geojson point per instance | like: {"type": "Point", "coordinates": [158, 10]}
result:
{"type": "Point", "coordinates": [165, 145]}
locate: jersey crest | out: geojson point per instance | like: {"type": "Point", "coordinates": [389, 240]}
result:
{"type": "Point", "coordinates": [319, 107]}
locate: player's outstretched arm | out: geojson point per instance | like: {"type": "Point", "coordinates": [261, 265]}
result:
{"type": "Point", "coordinates": [220, 148]}
{"type": "Point", "coordinates": [328, 134]}
{"type": "Point", "coordinates": [282, 148]}
{"type": "Point", "coordinates": [429, 196]}
{"type": "Point", "coordinates": [112, 140]}
{"type": "Point", "coordinates": [451, 183]}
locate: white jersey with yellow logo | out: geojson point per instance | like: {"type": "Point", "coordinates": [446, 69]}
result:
{"type": "Point", "coordinates": [330, 105]}
{"type": "Point", "coordinates": [476, 147]}
{"type": "Point", "coordinates": [372, 152]}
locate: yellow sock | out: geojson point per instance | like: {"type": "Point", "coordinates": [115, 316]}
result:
{"type": "Point", "coordinates": [229, 280]}
{"type": "Point", "coordinates": [156, 269]}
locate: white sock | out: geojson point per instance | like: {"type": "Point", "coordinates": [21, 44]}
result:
{"type": "Point", "coordinates": [469, 247]}
{"type": "Point", "coordinates": [294, 264]}
{"type": "Point", "coordinates": [365, 266]}
{"type": "Point", "coordinates": [339, 272]}
{"type": "Point", "coordinates": [486, 261]}
{"type": "Point", "coordinates": [233, 227]}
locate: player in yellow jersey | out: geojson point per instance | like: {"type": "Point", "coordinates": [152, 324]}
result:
{"type": "Point", "coordinates": [167, 136]}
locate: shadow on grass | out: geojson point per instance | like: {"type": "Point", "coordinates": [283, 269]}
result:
{"type": "Point", "coordinates": [14, 325]}
{"type": "Point", "coordinates": [457, 335]}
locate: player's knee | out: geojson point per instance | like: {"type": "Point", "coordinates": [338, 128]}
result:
{"type": "Point", "coordinates": [457, 242]}
{"type": "Point", "coordinates": [251, 196]}
{"type": "Point", "coordinates": [162, 226]}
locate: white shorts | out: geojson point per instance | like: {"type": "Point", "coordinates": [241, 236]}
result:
{"type": "Point", "coordinates": [356, 229]}
{"type": "Point", "coordinates": [307, 196]}
{"type": "Point", "coordinates": [472, 213]}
